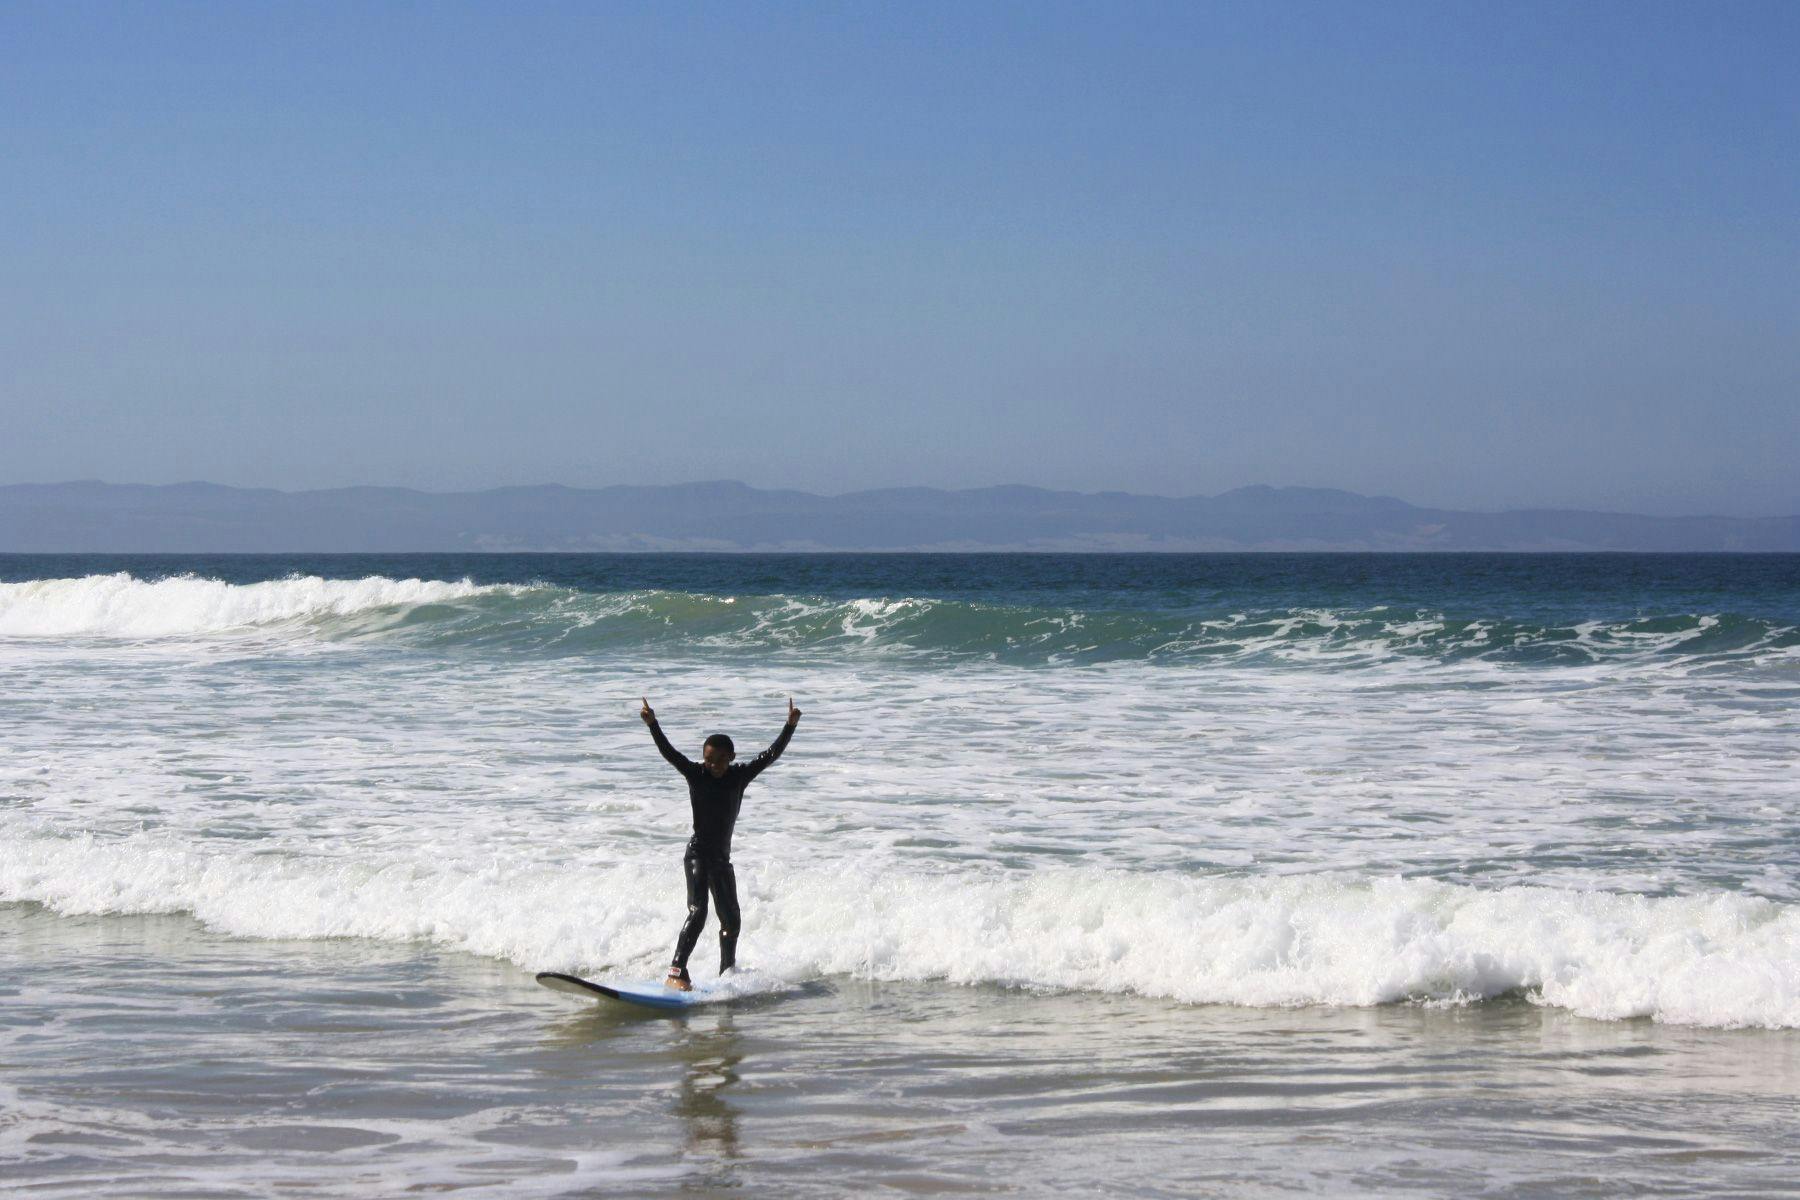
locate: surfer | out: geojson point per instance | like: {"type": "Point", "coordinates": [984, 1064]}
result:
{"type": "Point", "coordinates": [716, 790]}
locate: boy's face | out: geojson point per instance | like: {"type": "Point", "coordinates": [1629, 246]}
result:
{"type": "Point", "coordinates": [716, 759]}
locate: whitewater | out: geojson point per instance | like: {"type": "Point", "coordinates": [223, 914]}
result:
{"type": "Point", "coordinates": [1434, 790]}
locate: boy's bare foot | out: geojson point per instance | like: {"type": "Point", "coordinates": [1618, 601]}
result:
{"type": "Point", "coordinates": [679, 981]}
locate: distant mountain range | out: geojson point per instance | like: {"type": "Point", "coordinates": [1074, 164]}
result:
{"type": "Point", "coordinates": [203, 517]}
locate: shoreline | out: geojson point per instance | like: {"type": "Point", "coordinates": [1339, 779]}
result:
{"type": "Point", "coordinates": [150, 1056]}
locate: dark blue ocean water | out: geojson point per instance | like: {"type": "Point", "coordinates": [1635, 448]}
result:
{"type": "Point", "coordinates": [1539, 587]}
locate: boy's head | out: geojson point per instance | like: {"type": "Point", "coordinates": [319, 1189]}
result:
{"type": "Point", "coordinates": [717, 753]}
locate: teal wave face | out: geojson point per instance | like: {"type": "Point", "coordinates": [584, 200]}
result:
{"type": "Point", "coordinates": [558, 621]}
{"type": "Point", "coordinates": [1326, 613]}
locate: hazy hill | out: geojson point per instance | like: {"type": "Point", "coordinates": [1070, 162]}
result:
{"type": "Point", "coordinates": [203, 517]}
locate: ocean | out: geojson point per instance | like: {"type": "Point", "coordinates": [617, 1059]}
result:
{"type": "Point", "coordinates": [1108, 874]}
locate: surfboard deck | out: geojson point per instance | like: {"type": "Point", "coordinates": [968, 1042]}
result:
{"type": "Point", "coordinates": [646, 995]}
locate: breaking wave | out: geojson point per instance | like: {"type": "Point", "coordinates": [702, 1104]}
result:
{"type": "Point", "coordinates": [1716, 959]}
{"type": "Point", "coordinates": [122, 606]}
{"type": "Point", "coordinates": [515, 618]}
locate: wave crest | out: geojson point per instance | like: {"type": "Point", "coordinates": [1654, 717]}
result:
{"type": "Point", "coordinates": [1718, 959]}
{"type": "Point", "coordinates": [121, 605]}
{"type": "Point", "coordinates": [525, 619]}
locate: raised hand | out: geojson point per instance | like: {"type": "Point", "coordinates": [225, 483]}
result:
{"type": "Point", "coordinates": [650, 717]}
{"type": "Point", "coordinates": [793, 713]}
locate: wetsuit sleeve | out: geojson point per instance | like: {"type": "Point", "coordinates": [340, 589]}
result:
{"type": "Point", "coordinates": [755, 766]}
{"type": "Point", "coordinates": [676, 758]}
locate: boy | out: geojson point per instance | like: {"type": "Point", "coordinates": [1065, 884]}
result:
{"type": "Point", "coordinates": [716, 790]}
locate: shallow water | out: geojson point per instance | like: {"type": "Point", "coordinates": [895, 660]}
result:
{"type": "Point", "coordinates": [147, 1056]}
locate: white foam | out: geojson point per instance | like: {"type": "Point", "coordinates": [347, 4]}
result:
{"type": "Point", "coordinates": [1203, 830]}
{"type": "Point", "coordinates": [1719, 959]}
{"type": "Point", "coordinates": [120, 605]}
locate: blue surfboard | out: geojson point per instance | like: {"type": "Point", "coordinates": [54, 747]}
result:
{"type": "Point", "coordinates": [648, 995]}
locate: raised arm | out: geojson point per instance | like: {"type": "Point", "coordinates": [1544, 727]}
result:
{"type": "Point", "coordinates": [676, 758]}
{"type": "Point", "coordinates": [755, 766]}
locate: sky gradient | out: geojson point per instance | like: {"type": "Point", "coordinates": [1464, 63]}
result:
{"type": "Point", "coordinates": [1475, 256]}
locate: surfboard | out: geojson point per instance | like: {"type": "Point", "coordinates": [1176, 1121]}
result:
{"type": "Point", "coordinates": [648, 995]}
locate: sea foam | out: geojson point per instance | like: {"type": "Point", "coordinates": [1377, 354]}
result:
{"type": "Point", "coordinates": [1715, 959]}
{"type": "Point", "coordinates": [1206, 808]}
{"type": "Point", "coordinates": [120, 605]}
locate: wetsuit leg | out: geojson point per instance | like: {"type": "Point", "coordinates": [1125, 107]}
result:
{"type": "Point", "coordinates": [724, 893]}
{"type": "Point", "coordinates": [695, 867]}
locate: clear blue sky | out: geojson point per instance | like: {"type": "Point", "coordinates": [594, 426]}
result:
{"type": "Point", "coordinates": [1477, 255]}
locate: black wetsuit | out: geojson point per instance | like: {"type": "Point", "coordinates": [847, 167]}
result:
{"type": "Point", "coordinates": [715, 802]}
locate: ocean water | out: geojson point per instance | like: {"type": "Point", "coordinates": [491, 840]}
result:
{"type": "Point", "coordinates": [1401, 841]}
